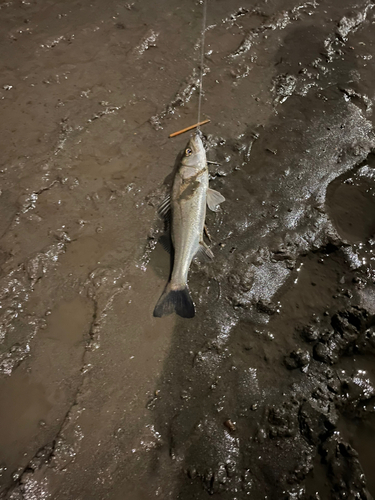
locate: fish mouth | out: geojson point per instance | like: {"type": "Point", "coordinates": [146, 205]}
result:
{"type": "Point", "coordinates": [195, 143]}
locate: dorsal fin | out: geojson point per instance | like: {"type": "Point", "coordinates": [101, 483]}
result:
{"type": "Point", "coordinates": [165, 206]}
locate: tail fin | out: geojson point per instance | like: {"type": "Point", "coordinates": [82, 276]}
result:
{"type": "Point", "coordinates": [178, 301]}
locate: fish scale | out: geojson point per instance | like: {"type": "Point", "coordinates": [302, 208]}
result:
{"type": "Point", "coordinates": [187, 223]}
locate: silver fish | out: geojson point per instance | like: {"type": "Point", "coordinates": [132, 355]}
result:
{"type": "Point", "coordinates": [187, 204]}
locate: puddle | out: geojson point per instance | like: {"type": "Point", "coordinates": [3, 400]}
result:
{"type": "Point", "coordinates": [25, 408]}
{"type": "Point", "coordinates": [351, 202]}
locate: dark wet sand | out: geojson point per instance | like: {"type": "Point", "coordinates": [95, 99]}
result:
{"type": "Point", "coordinates": [269, 392]}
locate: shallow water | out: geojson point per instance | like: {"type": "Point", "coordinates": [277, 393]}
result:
{"type": "Point", "coordinates": [269, 391]}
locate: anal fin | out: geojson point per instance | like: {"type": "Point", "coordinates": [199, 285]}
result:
{"type": "Point", "coordinates": [204, 251]}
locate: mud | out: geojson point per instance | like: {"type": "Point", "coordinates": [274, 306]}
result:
{"type": "Point", "coordinates": [269, 391]}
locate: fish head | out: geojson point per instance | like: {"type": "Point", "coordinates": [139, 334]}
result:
{"type": "Point", "coordinates": [194, 154]}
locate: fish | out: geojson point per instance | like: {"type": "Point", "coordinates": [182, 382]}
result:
{"type": "Point", "coordinates": [186, 207]}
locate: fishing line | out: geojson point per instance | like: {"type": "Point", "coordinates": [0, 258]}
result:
{"type": "Point", "coordinates": [202, 56]}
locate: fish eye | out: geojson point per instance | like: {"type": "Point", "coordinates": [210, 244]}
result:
{"type": "Point", "coordinates": [188, 151]}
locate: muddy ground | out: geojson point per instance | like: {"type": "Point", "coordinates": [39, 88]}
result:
{"type": "Point", "coordinates": [269, 392]}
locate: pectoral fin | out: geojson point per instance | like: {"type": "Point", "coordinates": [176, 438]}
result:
{"type": "Point", "coordinates": [204, 251]}
{"type": "Point", "coordinates": [214, 198]}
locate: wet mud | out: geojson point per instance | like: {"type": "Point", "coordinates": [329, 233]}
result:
{"type": "Point", "coordinates": [269, 391]}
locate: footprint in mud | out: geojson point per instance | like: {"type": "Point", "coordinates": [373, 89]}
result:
{"type": "Point", "coordinates": [213, 454]}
